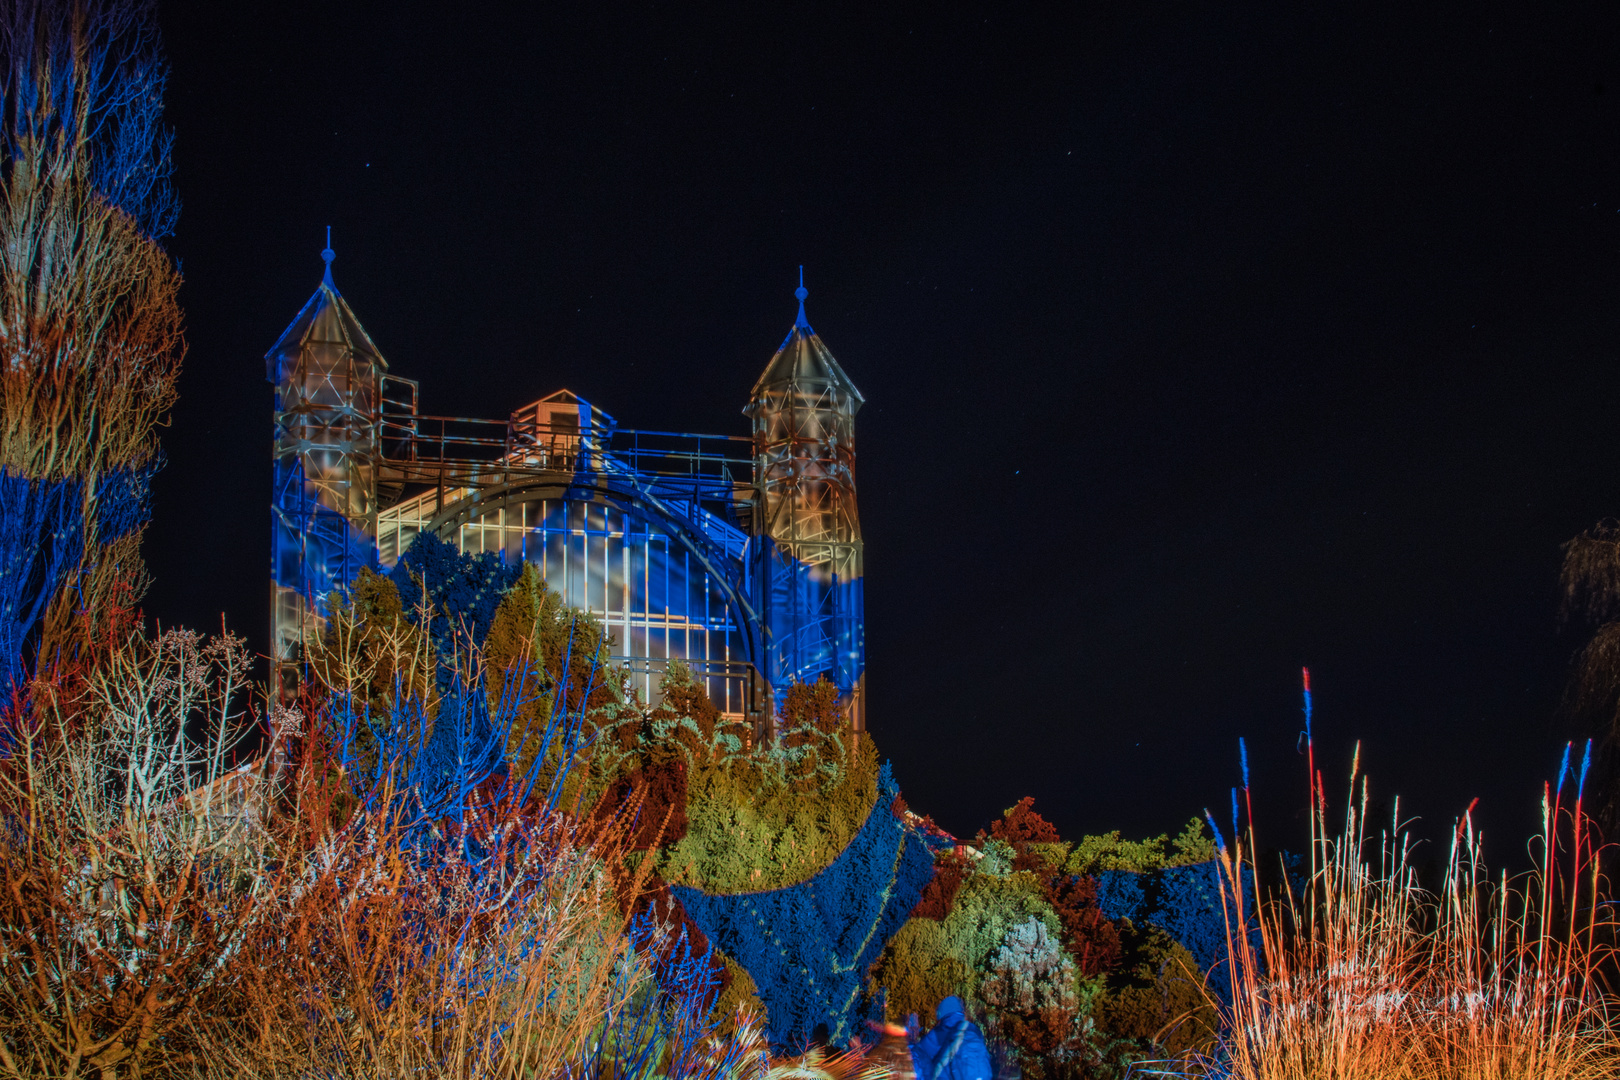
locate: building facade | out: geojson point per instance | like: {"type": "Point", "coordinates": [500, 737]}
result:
{"type": "Point", "coordinates": [739, 555]}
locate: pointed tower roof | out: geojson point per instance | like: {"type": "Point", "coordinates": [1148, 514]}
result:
{"type": "Point", "coordinates": [326, 317]}
{"type": "Point", "coordinates": [804, 360]}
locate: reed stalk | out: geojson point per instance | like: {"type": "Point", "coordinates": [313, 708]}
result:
{"type": "Point", "coordinates": [1356, 971]}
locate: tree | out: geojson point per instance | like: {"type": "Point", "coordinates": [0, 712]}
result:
{"type": "Point", "coordinates": [1590, 582]}
{"type": "Point", "coordinates": [90, 324]}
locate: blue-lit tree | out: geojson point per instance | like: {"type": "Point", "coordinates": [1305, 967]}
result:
{"type": "Point", "coordinates": [90, 324]}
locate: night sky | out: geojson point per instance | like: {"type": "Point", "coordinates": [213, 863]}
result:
{"type": "Point", "coordinates": [1197, 345]}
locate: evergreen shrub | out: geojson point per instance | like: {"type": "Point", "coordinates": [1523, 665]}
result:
{"type": "Point", "coordinates": [1020, 926]}
{"type": "Point", "coordinates": [461, 591]}
{"type": "Point", "coordinates": [808, 946]}
{"type": "Point", "coordinates": [1157, 995]}
{"type": "Point", "coordinates": [1182, 901]}
{"type": "Point", "coordinates": [752, 825]}
{"type": "Point", "coordinates": [1094, 854]}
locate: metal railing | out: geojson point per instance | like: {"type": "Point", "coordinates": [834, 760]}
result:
{"type": "Point", "coordinates": [713, 464]}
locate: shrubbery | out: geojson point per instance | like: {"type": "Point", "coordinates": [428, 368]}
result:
{"type": "Point", "coordinates": [1014, 924]}
{"type": "Point", "coordinates": [469, 850]}
{"type": "Point", "coordinates": [712, 819]}
{"type": "Point", "coordinates": [373, 891]}
{"type": "Point", "coordinates": [467, 809]}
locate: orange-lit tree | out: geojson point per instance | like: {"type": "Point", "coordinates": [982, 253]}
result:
{"type": "Point", "coordinates": [90, 324]}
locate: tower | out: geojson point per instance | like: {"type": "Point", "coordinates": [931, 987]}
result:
{"type": "Point", "coordinates": [737, 557]}
{"type": "Point", "coordinates": [807, 534]}
{"type": "Point", "coordinates": [328, 411]}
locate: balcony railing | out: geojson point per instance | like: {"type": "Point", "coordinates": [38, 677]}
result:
{"type": "Point", "coordinates": [706, 465]}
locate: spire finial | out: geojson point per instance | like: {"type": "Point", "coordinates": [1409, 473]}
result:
{"type": "Point", "coordinates": [801, 292]}
{"type": "Point", "coordinates": [328, 254]}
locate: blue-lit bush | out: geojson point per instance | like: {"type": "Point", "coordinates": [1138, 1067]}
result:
{"type": "Point", "coordinates": [462, 592]}
{"type": "Point", "coordinates": [1184, 902]}
{"type": "Point", "coordinates": [662, 1025]}
{"type": "Point", "coordinates": [507, 936]}
{"type": "Point", "coordinates": [807, 947]}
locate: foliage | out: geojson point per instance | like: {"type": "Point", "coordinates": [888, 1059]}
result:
{"type": "Point", "coordinates": [663, 1030]}
{"type": "Point", "coordinates": [739, 995]}
{"type": "Point", "coordinates": [1033, 839]}
{"type": "Point", "coordinates": [750, 826]}
{"type": "Point", "coordinates": [1590, 582]}
{"type": "Point", "coordinates": [1590, 575]}
{"type": "Point", "coordinates": [690, 787]}
{"type": "Point", "coordinates": [656, 784]}
{"type": "Point", "coordinates": [1001, 948]}
{"type": "Point", "coordinates": [560, 655]}
{"type": "Point", "coordinates": [371, 650]}
{"type": "Point", "coordinates": [931, 958]}
{"type": "Point", "coordinates": [462, 593]}
{"type": "Point", "coordinates": [1020, 926]}
{"type": "Point", "coordinates": [122, 889]}
{"type": "Point", "coordinates": [1094, 854]}
{"type": "Point", "coordinates": [918, 969]}
{"type": "Point", "coordinates": [755, 816]}
{"type": "Point", "coordinates": [709, 806]}
{"type": "Point", "coordinates": [462, 629]}
{"type": "Point", "coordinates": [1183, 901]}
{"type": "Point", "coordinates": [1089, 936]}
{"type": "Point", "coordinates": [951, 868]}
{"type": "Point", "coordinates": [807, 947]}
{"type": "Point", "coordinates": [685, 946]}
{"type": "Point", "coordinates": [1030, 990]}
{"type": "Point", "coordinates": [810, 735]}
{"type": "Point", "coordinates": [987, 909]}
{"type": "Point", "coordinates": [1157, 995]}
{"type": "Point", "coordinates": [450, 922]}
{"type": "Point", "coordinates": [686, 716]}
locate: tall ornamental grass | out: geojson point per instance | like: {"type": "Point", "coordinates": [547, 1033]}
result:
{"type": "Point", "coordinates": [1352, 970]}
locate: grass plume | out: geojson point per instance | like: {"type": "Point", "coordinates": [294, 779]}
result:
{"type": "Point", "coordinates": [1355, 971]}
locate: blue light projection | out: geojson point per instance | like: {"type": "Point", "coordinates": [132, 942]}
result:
{"type": "Point", "coordinates": [813, 626]}
{"type": "Point", "coordinates": [807, 947]}
{"type": "Point", "coordinates": [739, 556]}
{"type": "Point", "coordinates": [41, 541]}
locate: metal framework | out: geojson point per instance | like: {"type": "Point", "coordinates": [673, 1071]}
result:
{"type": "Point", "coordinates": [739, 556]}
{"type": "Point", "coordinates": [809, 537]}
{"type": "Point", "coordinates": [328, 376]}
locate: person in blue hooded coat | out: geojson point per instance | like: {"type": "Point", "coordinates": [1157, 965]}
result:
{"type": "Point", "coordinates": [954, 1049]}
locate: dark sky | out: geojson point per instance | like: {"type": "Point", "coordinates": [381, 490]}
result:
{"type": "Point", "coordinates": [1198, 345]}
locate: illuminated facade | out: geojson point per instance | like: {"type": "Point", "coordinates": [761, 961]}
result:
{"type": "Point", "coordinates": [738, 555]}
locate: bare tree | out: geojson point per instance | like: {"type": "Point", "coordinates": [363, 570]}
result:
{"type": "Point", "coordinates": [124, 888]}
{"type": "Point", "coordinates": [90, 323]}
{"type": "Point", "coordinates": [1590, 582]}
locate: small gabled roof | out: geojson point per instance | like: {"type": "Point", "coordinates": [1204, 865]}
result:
{"type": "Point", "coordinates": [325, 318]}
{"type": "Point", "coordinates": [598, 418]}
{"type": "Point", "coordinates": [804, 360]}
